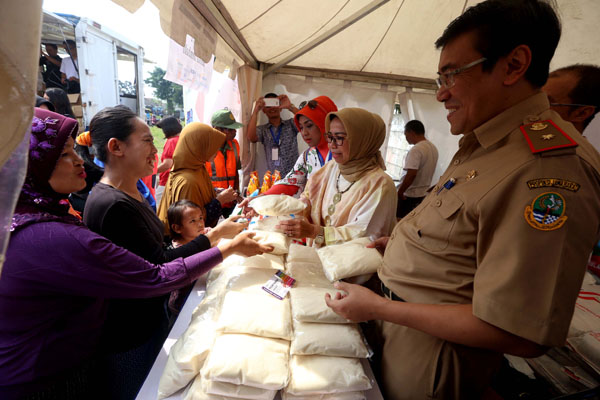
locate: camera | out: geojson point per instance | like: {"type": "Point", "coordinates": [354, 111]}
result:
{"type": "Point", "coordinates": [271, 102]}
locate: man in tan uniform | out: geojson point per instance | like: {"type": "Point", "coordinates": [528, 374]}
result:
{"type": "Point", "coordinates": [492, 260]}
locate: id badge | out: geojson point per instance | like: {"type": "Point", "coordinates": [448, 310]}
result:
{"type": "Point", "coordinates": [275, 153]}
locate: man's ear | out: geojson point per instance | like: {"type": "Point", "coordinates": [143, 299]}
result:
{"type": "Point", "coordinates": [115, 147]}
{"type": "Point", "coordinates": [517, 63]}
{"type": "Point", "coordinates": [580, 114]}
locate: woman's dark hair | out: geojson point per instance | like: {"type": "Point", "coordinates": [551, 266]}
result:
{"type": "Point", "coordinates": [40, 101]}
{"type": "Point", "coordinates": [502, 25]}
{"type": "Point", "coordinates": [175, 214]}
{"type": "Point", "coordinates": [60, 100]}
{"type": "Point", "coordinates": [111, 122]}
{"type": "Point", "coordinates": [170, 126]}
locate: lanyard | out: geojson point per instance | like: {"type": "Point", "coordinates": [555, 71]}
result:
{"type": "Point", "coordinates": [276, 139]}
{"type": "Point", "coordinates": [321, 161]}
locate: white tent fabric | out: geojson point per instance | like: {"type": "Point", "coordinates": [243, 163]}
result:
{"type": "Point", "coordinates": [397, 38]}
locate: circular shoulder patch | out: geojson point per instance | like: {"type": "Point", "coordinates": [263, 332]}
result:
{"type": "Point", "coordinates": [546, 212]}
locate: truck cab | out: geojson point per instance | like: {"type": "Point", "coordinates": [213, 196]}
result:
{"type": "Point", "coordinates": [110, 66]}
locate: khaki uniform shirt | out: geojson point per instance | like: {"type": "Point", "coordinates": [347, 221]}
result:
{"type": "Point", "coordinates": [512, 236]}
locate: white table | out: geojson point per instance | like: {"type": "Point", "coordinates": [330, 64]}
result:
{"type": "Point", "coordinates": [150, 387]}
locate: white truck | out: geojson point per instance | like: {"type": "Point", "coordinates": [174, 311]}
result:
{"type": "Point", "coordinates": [110, 66]}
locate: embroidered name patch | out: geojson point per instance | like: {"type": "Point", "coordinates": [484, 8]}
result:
{"type": "Point", "coordinates": [553, 182]}
{"type": "Point", "coordinates": [546, 212]}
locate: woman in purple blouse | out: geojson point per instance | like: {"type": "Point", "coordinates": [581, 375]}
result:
{"type": "Point", "coordinates": [58, 276]}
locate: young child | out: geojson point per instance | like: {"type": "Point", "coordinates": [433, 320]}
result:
{"type": "Point", "coordinates": [186, 222]}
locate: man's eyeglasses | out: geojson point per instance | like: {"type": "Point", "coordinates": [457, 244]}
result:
{"type": "Point", "coordinates": [571, 105]}
{"type": "Point", "coordinates": [446, 79]}
{"type": "Point", "coordinates": [338, 140]}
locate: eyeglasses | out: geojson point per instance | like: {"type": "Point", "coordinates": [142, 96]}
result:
{"type": "Point", "coordinates": [338, 140]}
{"type": "Point", "coordinates": [312, 104]}
{"type": "Point", "coordinates": [571, 105]}
{"type": "Point", "coordinates": [446, 79]}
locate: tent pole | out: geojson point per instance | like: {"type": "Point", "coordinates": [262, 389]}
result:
{"type": "Point", "coordinates": [221, 21]}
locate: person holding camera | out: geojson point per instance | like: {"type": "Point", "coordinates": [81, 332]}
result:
{"type": "Point", "coordinates": [278, 136]}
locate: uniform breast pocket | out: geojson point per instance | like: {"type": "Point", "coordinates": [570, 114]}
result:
{"type": "Point", "coordinates": [434, 224]}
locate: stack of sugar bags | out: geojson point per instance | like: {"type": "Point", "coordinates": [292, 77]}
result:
{"type": "Point", "coordinates": [249, 357]}
{"type": "Point", "coordinates": [326, 349]}
{"type": "Point", "coordinates": [189, 352]}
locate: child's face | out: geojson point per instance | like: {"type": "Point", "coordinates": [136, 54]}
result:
{"type": "Point", "coordinates": [192, 223]}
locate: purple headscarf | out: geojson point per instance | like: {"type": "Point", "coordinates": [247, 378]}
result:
{"type": "Point", "coordinates": [38, 202]}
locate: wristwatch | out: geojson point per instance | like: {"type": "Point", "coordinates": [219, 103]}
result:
{"type": "Point", "coordinates": [320, 238]}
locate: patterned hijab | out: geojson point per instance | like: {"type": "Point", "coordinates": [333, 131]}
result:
{"type": "Point", "coordinates": [38, 202]}
{"type": "Point", "coordinates": [188, 178]}
{"type": "Point", "coordinates": [365, 134]}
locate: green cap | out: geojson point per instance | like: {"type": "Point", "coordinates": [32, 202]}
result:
{"type": "Point", "coordinates": [224, 119]}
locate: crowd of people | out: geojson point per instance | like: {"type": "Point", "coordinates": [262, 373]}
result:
{"type": "Point", "coordinates": [487, 261]}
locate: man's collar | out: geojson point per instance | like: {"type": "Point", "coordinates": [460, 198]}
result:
{"type": "Point", "coordinates": [227, 146]}
{"type": "Point", "coordinates": [526, 111]}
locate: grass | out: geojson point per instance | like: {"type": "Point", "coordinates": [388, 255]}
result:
{"type": "Point", "coordinates": [159, 138]}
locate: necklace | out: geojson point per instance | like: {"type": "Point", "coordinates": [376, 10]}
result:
{"type": "Point", "coordinates": [336, 198]}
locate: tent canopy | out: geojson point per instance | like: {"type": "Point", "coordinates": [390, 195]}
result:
{"type": "Point", "coordinates": [383, 41]}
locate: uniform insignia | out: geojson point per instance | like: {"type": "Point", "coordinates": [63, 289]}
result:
{"type": "Point", "coordinates": [546, 212]}
{"type": "Point", "coordinates": [471, 174]}
{"type": "Point", "coordinates": [553, 182]}
{"type": "Point", "coordinates": [538, 126]}
{"type": "Point", "coordinates": [546, 135]}
{"type": "Point", "coordinates": [231, 117]}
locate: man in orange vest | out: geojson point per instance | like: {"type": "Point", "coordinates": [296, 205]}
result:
{"type": "Point", "coordinates": [223, 170]}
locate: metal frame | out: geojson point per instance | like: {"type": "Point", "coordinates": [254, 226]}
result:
{"type": "Point", "coordinates": [370, 77]}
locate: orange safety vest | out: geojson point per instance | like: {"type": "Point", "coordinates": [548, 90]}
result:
{"type": "Point", "coordinates": [223, 169]}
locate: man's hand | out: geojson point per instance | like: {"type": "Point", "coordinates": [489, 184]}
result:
{"type": "Point", "coordinates": [379, 244]}
{"type": "Point", "coordinates": [285, 103]}
{"type": "Point", "coordinates": [357, 304]}
{"type": "Point", "coordinates": [259, 105]}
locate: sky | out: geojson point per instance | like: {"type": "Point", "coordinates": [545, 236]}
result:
{"type": "Point", "coordinates": [143, 27]}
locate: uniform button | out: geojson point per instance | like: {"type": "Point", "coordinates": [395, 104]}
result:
{"type": "Point", "coordinates": [412, 213]}
{"type": "Point", "coordinates": [456, 162]}
{"type": "Point", "coordinates": [438, 203]}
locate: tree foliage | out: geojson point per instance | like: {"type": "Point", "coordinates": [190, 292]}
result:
{"type": "Point", "coordinates": [165, 90]}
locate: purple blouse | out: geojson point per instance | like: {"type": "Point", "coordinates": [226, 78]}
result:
{"type": "Point", "coordinates": [53, 290]}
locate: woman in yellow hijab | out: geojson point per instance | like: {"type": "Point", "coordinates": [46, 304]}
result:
{"type": "Point", "coordinates": [353, 196]}
{"type": "Point", "coordinates": [198, 143]}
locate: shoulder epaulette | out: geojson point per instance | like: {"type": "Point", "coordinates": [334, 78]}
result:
{"type": "Point", "coordinates": [546, 135]}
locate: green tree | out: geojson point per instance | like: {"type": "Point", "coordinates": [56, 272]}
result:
{"type": "Point", "coordinates": [165, 90]}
